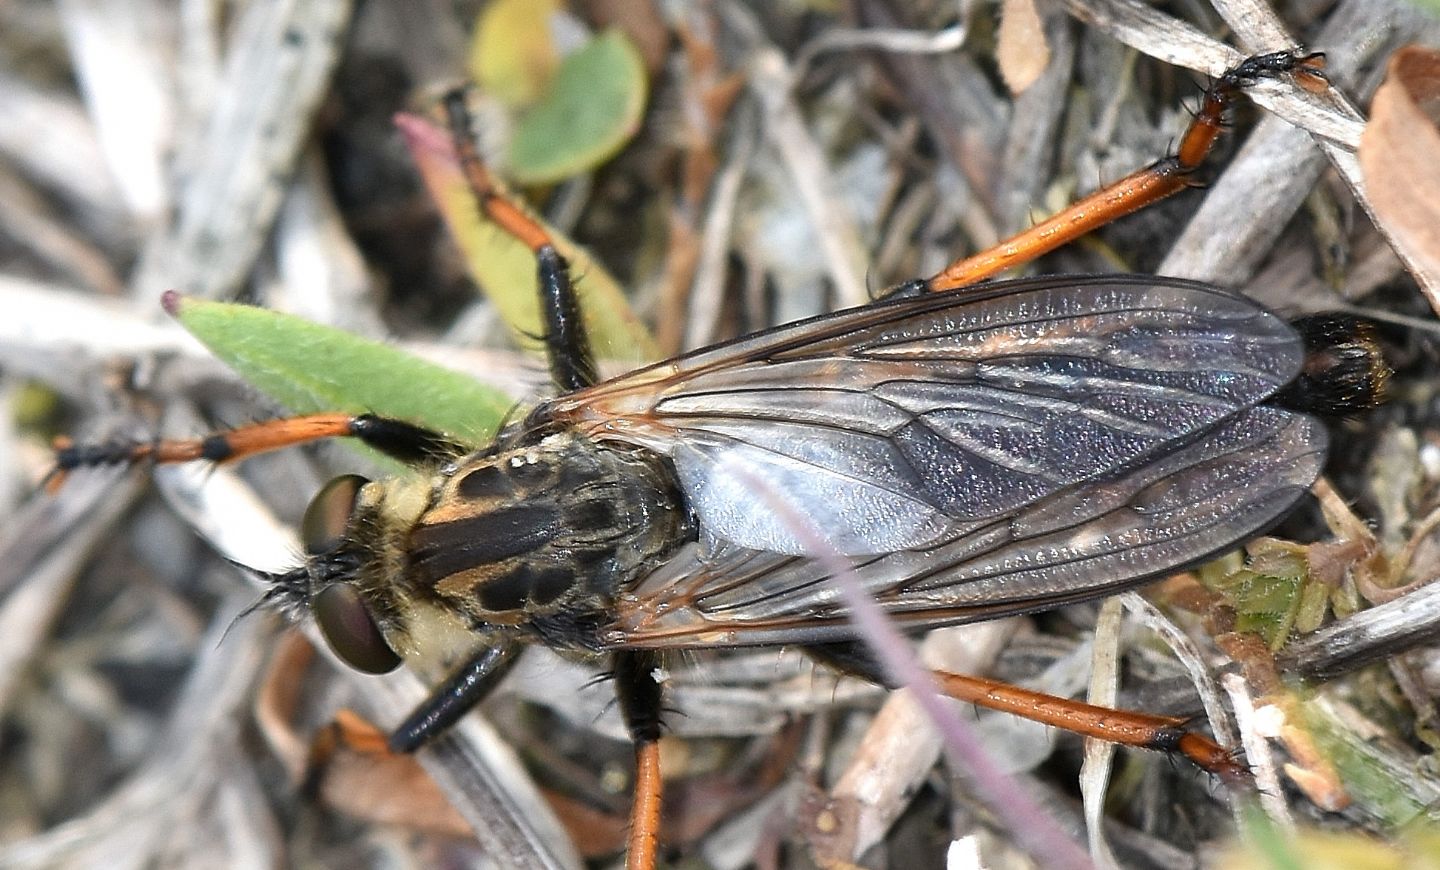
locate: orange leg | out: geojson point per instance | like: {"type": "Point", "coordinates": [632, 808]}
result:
{"type": "Point", "coordinates": [572, 366]}
{"type": "Point", "coordinates": [1139, 189]}
{"type": "Point", "coordinates": [1128, 728]}
{"type": "Point", "coordinates": [396, 438]}
{"type": "Point", "coordinates": [639, 697]}
{"type": "Point", "coordinates": [488, 196]}
{"type": "Point", "coordinates": [642, 846]}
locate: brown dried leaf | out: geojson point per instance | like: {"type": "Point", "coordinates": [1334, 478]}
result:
{"type": "Point", "coordinates": [360, 777]}
{"type": "Point", "coordinates": [278, 703]}
{"type": "Point", "coordinates": [347, 764]}
{"type": "Point", "coordinates": [1021, 49]}
{"type": "Point", "coordinates": [1400, 156]}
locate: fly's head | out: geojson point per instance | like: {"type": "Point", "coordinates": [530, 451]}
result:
{"type": "Point", "coordinates": [353, 578]}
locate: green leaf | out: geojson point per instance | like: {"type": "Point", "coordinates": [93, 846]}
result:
{"type": "Point", "coordinates": [1266, 589]}
{"type": "Point", "coordinates": [309, 368]}
{"type": "Point", "coordinates": [592, 109]}
{"type": "Point", "coordinates": [1379, 787]}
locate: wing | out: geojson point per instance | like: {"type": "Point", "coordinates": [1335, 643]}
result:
{"type": "Point", "coordinates": [1197, 500]}
{"type": "Point", "coordinates": [915, 422]}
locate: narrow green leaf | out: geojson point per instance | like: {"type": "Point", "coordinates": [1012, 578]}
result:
{"type": "Point", "coordinates": [308, 368]}
{"type": "Point", "coordinates": [1372, 778]}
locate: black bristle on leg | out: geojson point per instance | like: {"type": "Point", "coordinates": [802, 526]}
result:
{"type": "Point", "coordinates": [571, 364]}
{"type": "Point", "coordinates": [73, 456]}
{"type": "Point", "coordinates": [639, 694]}
{"type": "Point", "coordinates": [404, 441]}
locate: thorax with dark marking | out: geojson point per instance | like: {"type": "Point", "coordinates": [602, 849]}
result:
{"type": "Point", "coordinates": [542, 536]}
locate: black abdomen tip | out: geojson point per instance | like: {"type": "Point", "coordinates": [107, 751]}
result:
{"type": "Point", "coordinates": [1344, 371]}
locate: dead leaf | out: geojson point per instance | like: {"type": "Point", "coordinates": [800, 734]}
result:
{"type": "Point", "coordinates": [1400, 157]}
{"type": "Point", "coordinates": [278, 702]}
{"type": "Point", "coordinates": [347, 764]}
{"type": "Point", "coordinates": [1021, 49]}
{"type": "Point", "coordinates": [353, 771]}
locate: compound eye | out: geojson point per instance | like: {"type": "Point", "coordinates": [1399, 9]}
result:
{"type": "Point", "coordinates": [329, 512]}
{"type": "Point", "coordinates": [346, 623]}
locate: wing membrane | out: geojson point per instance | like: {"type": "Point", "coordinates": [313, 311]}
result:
{"type": "Point", "coordinates": [1185, 506]}
{"type": "Point", "coordinates": [914, 423]}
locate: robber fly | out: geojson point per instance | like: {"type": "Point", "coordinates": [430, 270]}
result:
{"type": "Point", "coordinates": [973, 452]}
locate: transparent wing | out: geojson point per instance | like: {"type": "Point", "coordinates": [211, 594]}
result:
{"type": "Point", "coordinates": [915, 422]}
{"type": "Point", "coordinates": [1197, 500]}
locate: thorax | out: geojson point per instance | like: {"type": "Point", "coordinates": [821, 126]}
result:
{"type": "Point", "coordinates": [543, 534]}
